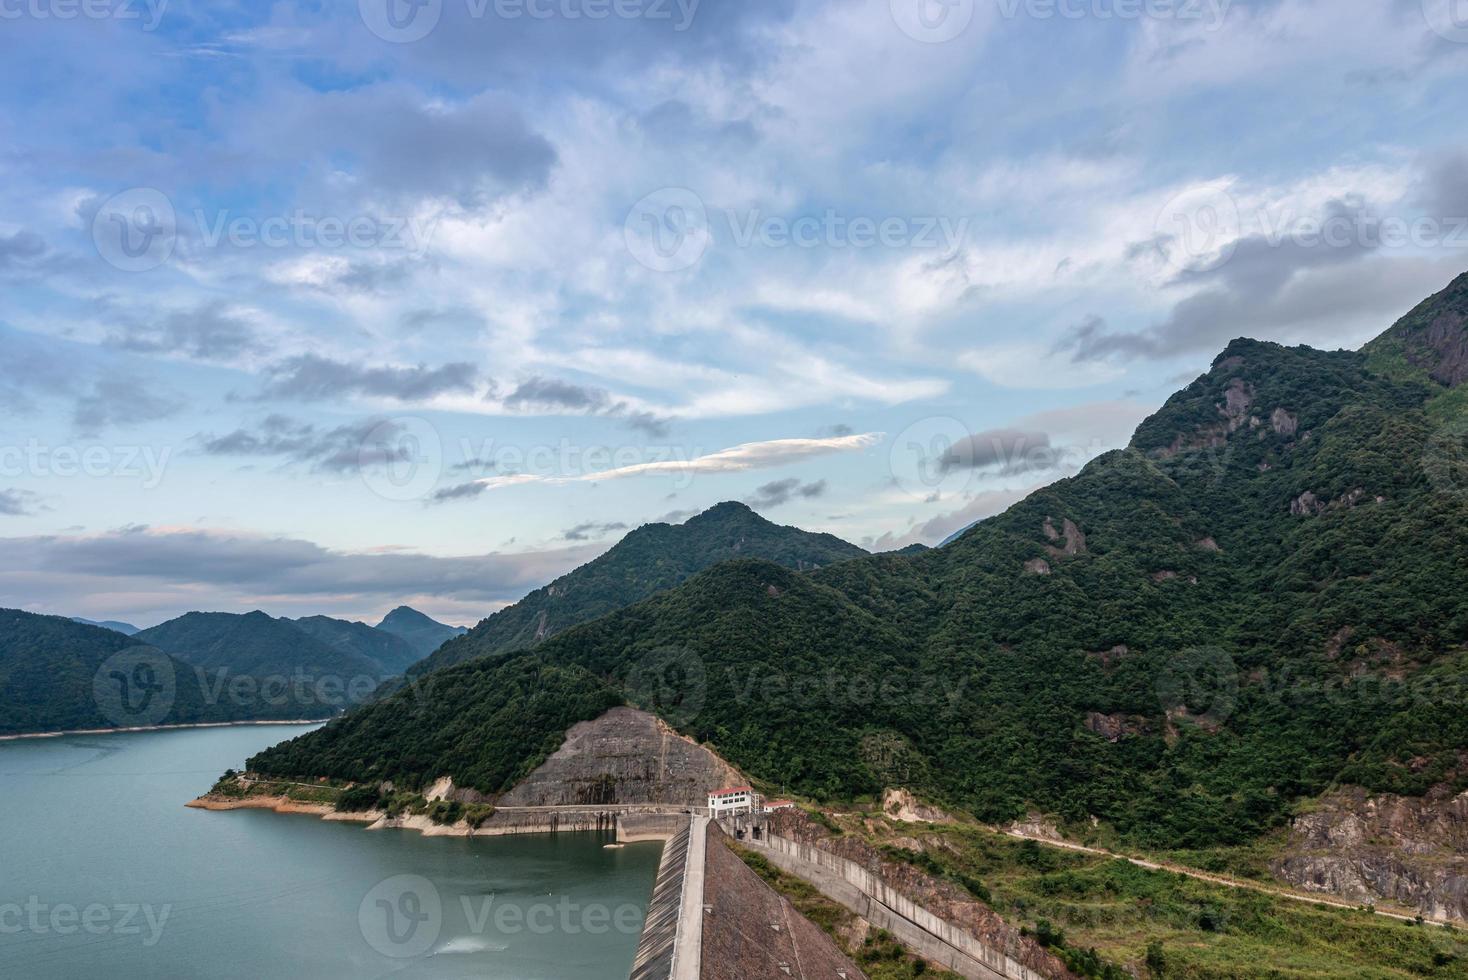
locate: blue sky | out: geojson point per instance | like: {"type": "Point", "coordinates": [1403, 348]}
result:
{"type": "Point", "coordinates": [324, 307]}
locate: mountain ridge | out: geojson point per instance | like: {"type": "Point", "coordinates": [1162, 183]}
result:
{"type": "Point", "coordinates": [1258, 600]}
{"type": "Point", "coordinates": [126, 629]}
{"type": "Point", "coordinates": [651, 558]}
{"type": "Point", "coordinates": [60, 675]}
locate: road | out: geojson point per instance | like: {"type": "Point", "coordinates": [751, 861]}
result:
{"type": "Point", "coordinates": [1216, 879]}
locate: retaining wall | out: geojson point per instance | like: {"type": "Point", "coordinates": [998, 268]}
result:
{"type": "Point", "coordinates": [864, 893]}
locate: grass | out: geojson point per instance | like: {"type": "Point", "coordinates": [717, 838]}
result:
{"type": "Point", "coordinates": [1162, 924]}
{"type": "Point", "coordinates": [233, 788]}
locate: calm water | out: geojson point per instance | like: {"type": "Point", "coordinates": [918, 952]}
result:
{"type": "Point", "coordinates": [104, 873]}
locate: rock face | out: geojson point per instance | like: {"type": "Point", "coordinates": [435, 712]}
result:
{"type": "Point", "coordinates": [1075, 540]}
{"type": "Point", "coordinates": [901, 805]}
{"type": "Point", "coordinates": [1284, 423]}
{"type": "Point", "coordinates": [1410, 851]}
{"type": "Point", "coordinates": [1115, 727]}
{"type": "Point", "coordinates": [625, 756]}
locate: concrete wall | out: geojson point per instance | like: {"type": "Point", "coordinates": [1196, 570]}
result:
{"type": "Point", "coordinates": [507, 822]}
{"type": "Point", "coordinates": [632, 827]}
{"type": "Point", "coordinates": [654, 959]}
{"type": "Point", "coordinates": [873, 899]}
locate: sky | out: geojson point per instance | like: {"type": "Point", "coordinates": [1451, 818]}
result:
{"type": "Point", "coordinates": [327, 307]}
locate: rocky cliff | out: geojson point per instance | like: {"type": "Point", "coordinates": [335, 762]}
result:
{"type": "Point", "coordinates": [1412, 851]}
{"type": "Point", "coordinates": [626, 756]}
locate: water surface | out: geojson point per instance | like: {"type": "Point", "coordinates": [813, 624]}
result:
{"type": "Point", "coordinates": [104, 873]}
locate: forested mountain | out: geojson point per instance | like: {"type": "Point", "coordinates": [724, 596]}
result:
{"type": "Point", "coordinates": [391, 653]}
{"type": "Point", "coordinates": [652, 558]}
{"type": "Point", "coordinates": [126, 629]}
{"type": "Point", "coordinates": [254, 644]}
{"type": "Point", "coordinates": [1260, 598]}
{"type": "Point", "coordinates": [60, 675]}
{"type": "Point", "coordinates": [422, 634]}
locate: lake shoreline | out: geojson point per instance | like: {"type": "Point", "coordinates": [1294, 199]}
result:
{"type": "Point", "coordinates": [159, 728]}
{"type": "Point", "coordinates": [628, 826]}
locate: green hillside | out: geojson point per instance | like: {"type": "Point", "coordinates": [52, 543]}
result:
{"type": "Point", "coordinates": [652, 558]}
{"type": "Point", "coordinates": [1260, 597]}
{"type": "Point", "coordinates": [392, 654]}
{"type": "Point", "coordinates": [254, 644]}
{"type": "Point", "coordinates": [59, 675]}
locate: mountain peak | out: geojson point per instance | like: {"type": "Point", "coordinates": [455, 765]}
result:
{"type": "Point", "coordinates": [651, 559]}
{"type": "Point", "coordinates": [1432, 339]}
{"type": "Point", "coordinates": [404, 616]}
{"type": "Point", "coordinates": [422, 632]}
{"type": "Point", "coordinates": [727, 510]}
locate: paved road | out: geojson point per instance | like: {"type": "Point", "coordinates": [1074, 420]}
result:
{"type": "Point", "coordinates": [688, 949]}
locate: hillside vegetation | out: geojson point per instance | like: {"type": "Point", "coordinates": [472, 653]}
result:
{"type": "Point", "coordinates": [1260, 597]}
{"type": "Point", "coordinates": [60, 675]}
{"type": "Point", "coordinates": [648, 560]}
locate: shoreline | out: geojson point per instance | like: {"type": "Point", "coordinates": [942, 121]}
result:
{"type": "Point", "coordinates": [159, 728]}
{"type": "Point", "coordinates": [629, 825]}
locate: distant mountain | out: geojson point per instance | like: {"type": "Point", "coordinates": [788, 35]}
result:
{"type": "Point", "coordinates": [391, 652]}
{"type": "Point", "coordinates": [253, 644]}
{"type": "Point", "coordinates": [60, 675]}
{"type": "Point", "coordinates": [423, 634]}
{"type": "Point", "coordinates": [126, 629]}
{"type": "Point", "coordinates": [652, 558]}
{"type": "Point", "coordinates": [1259, 600]}
{"type": "Point", "coordinates": [957, 534]}
{"type": "Point", "coordinates": [320, 663]}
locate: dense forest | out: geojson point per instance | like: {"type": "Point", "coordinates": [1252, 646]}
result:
{"type": "Point", "coordinates": [60, 675]}
{"type": "Point", "coordinates": [1262, 596]}
{"type": "Point", "coordinates": [648, 560]}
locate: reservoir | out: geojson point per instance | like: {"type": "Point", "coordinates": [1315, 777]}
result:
{"type": "Point", "coordinates": [105, 873]}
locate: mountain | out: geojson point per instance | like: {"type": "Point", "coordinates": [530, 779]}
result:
{"type": "Point", "coordinates": [422, 634]}
{"type": "Point", "coordinates": [392, 653]}
{"type": "Point", "coordinates": [253, 644]}
{"type": "Point", "coordinates": [60, 675]}
{"type": "Point", "coordinates": [955, 536]}
{"type": "Point", "coordinates": [126, 629]}
{"type": "Point", "coordinates": [652, 558]}
{"type": "Point", "coordinates": [1257, 602]}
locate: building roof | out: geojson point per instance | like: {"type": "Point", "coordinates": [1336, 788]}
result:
{"type": "Point", "coordinates": [732, 790]}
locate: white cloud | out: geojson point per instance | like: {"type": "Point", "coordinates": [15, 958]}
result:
{"type": "Point", "coordinates": [735, 459]}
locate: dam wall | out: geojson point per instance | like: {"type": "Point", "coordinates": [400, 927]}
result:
{"type": "Point", "coordinates": [875, 900]}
